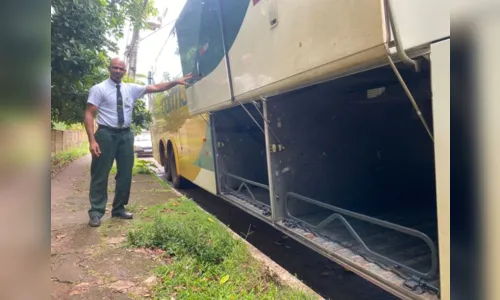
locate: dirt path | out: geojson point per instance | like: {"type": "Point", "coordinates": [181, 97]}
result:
{"type": "Point", "coordinates": [91, 263]}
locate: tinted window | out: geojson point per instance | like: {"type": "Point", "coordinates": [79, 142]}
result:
{"type": "Point", "coordinates": [199, 37]}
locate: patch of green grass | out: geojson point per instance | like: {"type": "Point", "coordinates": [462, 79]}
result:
{"type": "Point", "coordinates": [105, 227]}
{"type": "Point", "coordinates": [163, 183]}
{"type": "Point", "coordinates": [155, 190]}
{"type": "Point", "coordinates": [61, 159]}
{"type": "Point", "coordinates": [66, 126]}
{"type": "Point", "coordinates": [237, 277]}
{"type": "Point", "coordinates": [111, 227]}
{"type": "Point", "coordinates": [179, 206]}
{"type": "Point", "coordinates": [134, 208]}
{"type": "Point", "coordinates": [190, 233]}
{"type": "Point", "coordinates": [141, 166]}
{"type": "Point", "coordinates": [207, 262]}
{"type": "Point", "coordinates": [113, 169]}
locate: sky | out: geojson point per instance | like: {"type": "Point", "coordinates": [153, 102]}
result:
{"type": "Point", "coordinates": [149, 56]}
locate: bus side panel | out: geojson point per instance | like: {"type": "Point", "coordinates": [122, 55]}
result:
{"type": "Point", "coordinates": [189, 135]}
{"type": "Point", "coordinates": [274, 46]}
{"type": "Point", "coordinates": [196, 157]}
{"type": "Point", "coordinates": [440, 68]}
{"type": "Point", "coordinates": [158, 124]}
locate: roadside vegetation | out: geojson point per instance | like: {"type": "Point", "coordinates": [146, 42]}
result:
{"type": "Point", "coordinates": [66, 126]}
{"type": "Point", "coordinates": [141, 166]}
{"type": "Point", "coordinates": [203, 260]}
{"type": "Point", "coordinates": [60, 160]}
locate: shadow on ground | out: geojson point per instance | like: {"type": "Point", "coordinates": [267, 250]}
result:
{"type": "Point", "coordinates": [326, 278]}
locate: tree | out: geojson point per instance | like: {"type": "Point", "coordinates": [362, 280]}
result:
{"type": "Point", "coordinates": [141, 117]}
{"type": "Point", "coordinates": [131, 51]}
{"type": "Point", "coordinates": [82, 35]}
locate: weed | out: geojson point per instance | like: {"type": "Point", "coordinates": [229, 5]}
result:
{"type": "Point", "coordinates": [60, 160]}
{"type": "Point", "coordinates": [66, 126]}
{"type": "Point", "coordinates": [190, 234]}
{"type": "Point", "coordinates": [134, 208]}
{"type": "Point", "coordinates": [141, 166]}
{"type": "Point", "coordinates": [105, 227]}
{"type": "Point", "coordinates": [207, 262]}
{"type": "Point", "coordinates": [113, 169]}
{"type": "Point", "coordinates": [163, 183]}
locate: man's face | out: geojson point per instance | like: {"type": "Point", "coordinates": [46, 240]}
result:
{"type": "Point", "coordinates": [117, 70]}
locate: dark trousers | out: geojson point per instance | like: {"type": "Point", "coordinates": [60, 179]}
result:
{"type": "Point", "coordinates": [114, 144]}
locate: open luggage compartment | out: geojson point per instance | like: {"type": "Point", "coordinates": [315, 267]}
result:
{"type": "Point", "coordinates": [358, 168]}
{"type": "Point", "coordinates": [241, 156]}
{"type": "Point", "coordinates": [350, 163]}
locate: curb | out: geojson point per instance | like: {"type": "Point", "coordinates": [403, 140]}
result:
{"type": "Point", "coordinates": [283, 276]}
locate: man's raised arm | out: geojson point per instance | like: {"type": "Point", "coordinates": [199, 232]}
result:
{"type": "Point", "coordinates": [163, 86]}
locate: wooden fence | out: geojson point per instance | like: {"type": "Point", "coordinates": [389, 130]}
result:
{"type": "Point", "coordinates": [62, 140]}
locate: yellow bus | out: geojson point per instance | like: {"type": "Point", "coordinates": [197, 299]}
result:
{"type": "Point", "coordinates": [182, 143]}
{"type": "Point", "coordinates": [329, 121]}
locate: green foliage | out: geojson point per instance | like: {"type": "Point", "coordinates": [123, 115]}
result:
{"type": "Point", "coordinates": [80, 43]}
{"type": "Point", "coordinates": [136, 12]}
{"type": "Point", "coordinates": [66, 126]}
{"type": "Point", "coordinates": [79, 54]}
{"type": "Point", "coordinates": [192, 233]}
{"type": "Point", "coordinates": [127, 79]}
{"type": "Point", "coordinates": [206, 261]}
{"type": "Point", "coordinates": [141, 117]}
{"type": "Point", "coordinates": [140, 167]}
{"type": "Point", "coordinates": [62, 159]}
{"type": "Point", "coordinates": [238, 277]}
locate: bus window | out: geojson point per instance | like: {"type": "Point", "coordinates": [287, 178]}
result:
{"type": "Point", "coordinates": [187, 31]}
{"type": "Point", "coordinates": [199, 37]}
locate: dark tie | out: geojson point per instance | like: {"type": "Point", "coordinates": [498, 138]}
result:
{"type": "Point", "coordinates": [119, 106]}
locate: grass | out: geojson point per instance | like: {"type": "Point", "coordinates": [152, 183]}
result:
{"type": "Point", "coordinates": [206, 262]}
{"type": "Point", "coordinates": [66, 126]}
{"type": "Point", "coordinates": [60, 160]}
{"type": "Point", "coordinates": [141, 166]}
{"type": "Point", "coordinates": [163, 183]}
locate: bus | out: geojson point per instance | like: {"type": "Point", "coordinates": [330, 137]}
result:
{"type": "Point", "coordinates": [329, 121]}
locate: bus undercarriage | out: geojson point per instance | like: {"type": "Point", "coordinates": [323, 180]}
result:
{"type": "Point", "coordinates": [347, 168]}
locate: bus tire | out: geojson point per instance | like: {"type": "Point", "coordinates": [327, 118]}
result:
{"type": "Point", "coordinates": [168, 171]}
{"type": "Point", "coordinates": [176, 178]}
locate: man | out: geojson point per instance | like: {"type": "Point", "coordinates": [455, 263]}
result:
{"type": "Point", "coordinates": [114, 100]}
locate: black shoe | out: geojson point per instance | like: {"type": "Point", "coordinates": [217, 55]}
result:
{"type": "Point", "coordinates": [122, 215]}
{"type": "Point", "coordinates": [95, 222]}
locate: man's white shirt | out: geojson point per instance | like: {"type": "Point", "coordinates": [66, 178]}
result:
{"type": "Point", "coordinates": [103, 95]}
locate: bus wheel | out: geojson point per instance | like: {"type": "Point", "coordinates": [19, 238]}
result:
{"type": "Point", "coordinates": [168, 170]}
{"type": "Point", "coordinates": [176, 179]}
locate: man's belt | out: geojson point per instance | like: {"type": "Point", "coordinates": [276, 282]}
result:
{"type": "Point", "coordinates": [114, 129]}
